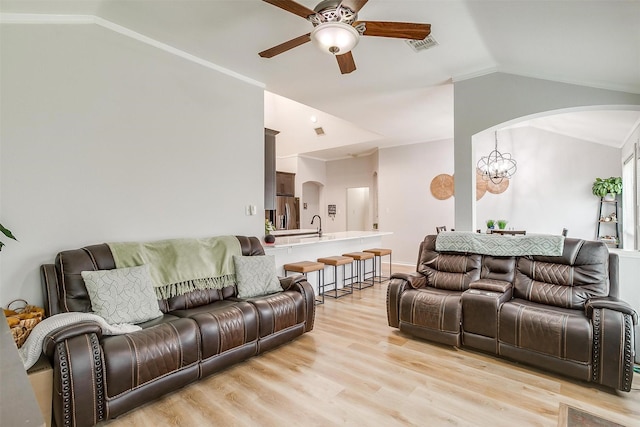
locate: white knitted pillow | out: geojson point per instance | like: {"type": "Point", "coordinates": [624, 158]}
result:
{"type": "Point", "coordinates": [122, 295]}
{"type": "Point", "coordinates": [256, 275]}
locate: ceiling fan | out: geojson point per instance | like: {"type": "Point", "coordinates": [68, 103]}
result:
{"type": "Point", "coordinates": [336, 29]}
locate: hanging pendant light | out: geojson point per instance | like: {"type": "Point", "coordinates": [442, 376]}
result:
{"type": "Point", "coordinates": [497, 166]}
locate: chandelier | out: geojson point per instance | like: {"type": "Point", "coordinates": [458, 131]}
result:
{"type": "Point", "coordinates": [497, 166]}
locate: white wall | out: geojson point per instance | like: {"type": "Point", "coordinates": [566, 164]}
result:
{"type": "Point", "coordinates": [551, 189]}
{"type": "Point", "coordinates": [104, 138]}
{"type": "Point", "coordinates": [310, 196]}
{"type": "Point", "coordinates": [406, 206]}
{"type": "Point", "coordinates": [484, 102]}
{"type": "Point", "coordinates": [343, 174]}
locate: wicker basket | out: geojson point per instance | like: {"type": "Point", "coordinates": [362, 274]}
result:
{"type": "Point", "coordinates": [22, 318]}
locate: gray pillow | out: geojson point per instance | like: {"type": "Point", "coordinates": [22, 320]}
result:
{"type": "Point", "coordinates": [122, 295]}
{"type": "Point", "coordinates": [256, 275]}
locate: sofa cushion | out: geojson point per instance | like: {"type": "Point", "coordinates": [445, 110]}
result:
{"type": "Point", "coordinates": [256, 275]}
{"type": "Point", "coordinates": [224, 325]}
{"type": "Point", "coordinates": [279, 311]}
{"type": "Point", "coordinates": [432, 308]}
{"type": "Point", "coordinates": [558, 332]}
{"type": "Point", "coordinates": [567, 281]}
{"type": "Point", "coordinates": [447, 270]}
{"type": "Point", "coordinates": [135, 359]}
{"type": "Point", "coordinates": [432, 314]}
{"type": "Point", "coordinates": [123, 295]}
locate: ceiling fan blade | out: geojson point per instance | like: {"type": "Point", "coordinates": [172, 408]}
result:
{"type": "Point", "coordinates": [354, 5]}
{"type": "Point", "coordinates": [283, 47]}
{"type": "Point", "coordinates": [291, 6]}
{"type": "Point", "coordinates": [346, 63]}
{"type": "Point", "coordinates": [400, 30]}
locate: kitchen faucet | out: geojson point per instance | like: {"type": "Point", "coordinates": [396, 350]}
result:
{"type": "Point", "coordinates": [319, 228]}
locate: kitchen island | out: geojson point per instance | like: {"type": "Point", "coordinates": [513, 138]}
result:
{"type": "Point", "coordinates": [309, 248]}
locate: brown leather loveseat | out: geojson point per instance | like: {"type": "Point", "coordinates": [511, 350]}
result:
{"type": "Point", "coordinates": [558, 313]}
{"type": "Point", "coordinates": [98, 377]}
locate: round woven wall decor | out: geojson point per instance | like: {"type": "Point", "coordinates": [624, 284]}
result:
{"type": "Point", "coordinates": [442, 186]}
{"type": "Point", "coordinates": [497, 188]}
{"type": "Point", "coordinates": [481, 188]}
{"type": "Point", "coordinates": [481, 185]}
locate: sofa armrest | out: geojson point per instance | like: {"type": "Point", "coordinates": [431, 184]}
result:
{"type": "Point", "coordinates": [298, 283]}
{"type": "Point", "coordinates": [79, 391]}
{"type": "Point", "coordinates": [613, 349]}
{"type": "Point", "coordinates": [64, 333]}
{"type": "Point", "coordinates": [492, 285]}
{"type": "Point", "coordinates": [287, 282]}
{"type": "Point", "coordinates": [610, 303]}
{"type": "Point", "coordinates": [398, 284]}
{"type": "Point", "coordinates": [415, 280]}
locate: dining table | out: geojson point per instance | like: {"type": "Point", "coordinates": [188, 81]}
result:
{"type": "Point", "coordinates": [508, 232]}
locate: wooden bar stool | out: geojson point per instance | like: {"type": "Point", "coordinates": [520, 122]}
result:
{"type": "Point", "coordinates": [378, 254]}
{"type": "Point", "coordinates": [335, 262]}
{"type": "Point", "coordinates": [305, 267]}
{"type": "Point", "coordinates": [360, 258]}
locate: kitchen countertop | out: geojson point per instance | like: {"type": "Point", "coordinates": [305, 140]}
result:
{"type": "Point", "coordinates": [294, 232]}
{"type": "Point", "coordinates": [326, 237]}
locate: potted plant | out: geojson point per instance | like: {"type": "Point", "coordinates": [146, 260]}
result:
{"type": "Point", "coordinates": [7, 233]}
{"type": "Point", "coordinates": [491, 224]}
{"type": "Point", "coordinates": [607, 188]}
{"type": "Point", "coordinates": [502, 224]}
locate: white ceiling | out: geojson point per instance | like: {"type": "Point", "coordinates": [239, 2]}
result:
{"type": "Point", "coordinates": [395, 96]}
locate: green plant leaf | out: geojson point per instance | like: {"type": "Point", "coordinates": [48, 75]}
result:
{"type": "Point", "coordinates": [7, 232]}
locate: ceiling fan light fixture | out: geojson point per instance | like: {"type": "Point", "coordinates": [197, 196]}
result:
{"type": "Point", "coordinates": [335, 38]}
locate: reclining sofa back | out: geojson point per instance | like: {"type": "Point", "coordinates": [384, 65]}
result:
{"type": "Point", "coordinates": [65, 291]}
{"type": "Point", "coordinates": [455, 271]}
{"type": "Point", "coordinates": [585, 270]}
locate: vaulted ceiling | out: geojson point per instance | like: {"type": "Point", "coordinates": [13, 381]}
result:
{"type": "Point", "coordinates": [396, 96]}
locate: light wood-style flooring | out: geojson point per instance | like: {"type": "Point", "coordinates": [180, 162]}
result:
{"type": "Point", "coordinates": [354, 370]}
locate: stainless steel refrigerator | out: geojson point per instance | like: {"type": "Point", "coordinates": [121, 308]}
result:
{"type": "Point", "coordinates": [287, 213]}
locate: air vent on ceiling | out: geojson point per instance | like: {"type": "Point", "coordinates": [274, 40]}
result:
{"type": "Point", "coordinates": [420, 45]}
{"type": "Point", "coordinates": [319, 131]}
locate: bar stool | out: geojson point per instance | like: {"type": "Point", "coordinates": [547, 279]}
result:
{"type": "Point", "coordinates": [378, 254]}
{"type": "Point", "coordinates": [305, 267]}
{"type": "Point", "coordinates": [360, 258]}
{"type": "Point", "coordinates": [335, 262]}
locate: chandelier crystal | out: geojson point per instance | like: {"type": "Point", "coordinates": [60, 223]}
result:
{"type": "Point", "coordinates": [497, 166]}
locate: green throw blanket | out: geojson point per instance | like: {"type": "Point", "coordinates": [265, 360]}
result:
{"type": "Point", "coordinates": [179, 266]}
{"type": "Point", "coordinates": [497, 245]}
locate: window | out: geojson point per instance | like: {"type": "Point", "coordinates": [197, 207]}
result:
{"type": "Point", "coordinates": [630, 188]}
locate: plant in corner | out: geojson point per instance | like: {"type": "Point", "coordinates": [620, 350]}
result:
{"type": "Point", "coordinates": [7, 233]}
{"type": "Point", "coordinates": [602, 187]}
{"type": "Point", "coordinates": [502, 224]}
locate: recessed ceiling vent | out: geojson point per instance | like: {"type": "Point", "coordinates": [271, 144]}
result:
{"type": "Point", "coordinates": [319, 131]}
{"type": "Point", "coordinates": [420, 45]}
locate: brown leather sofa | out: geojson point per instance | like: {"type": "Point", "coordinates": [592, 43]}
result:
{"type": "Point", "coordinates": [556, 313]}
{"type": "Point", "coordinates": [98, 377]}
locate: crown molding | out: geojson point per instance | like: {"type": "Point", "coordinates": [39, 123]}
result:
{"type": "Point", "coordinates": [43, 19]}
